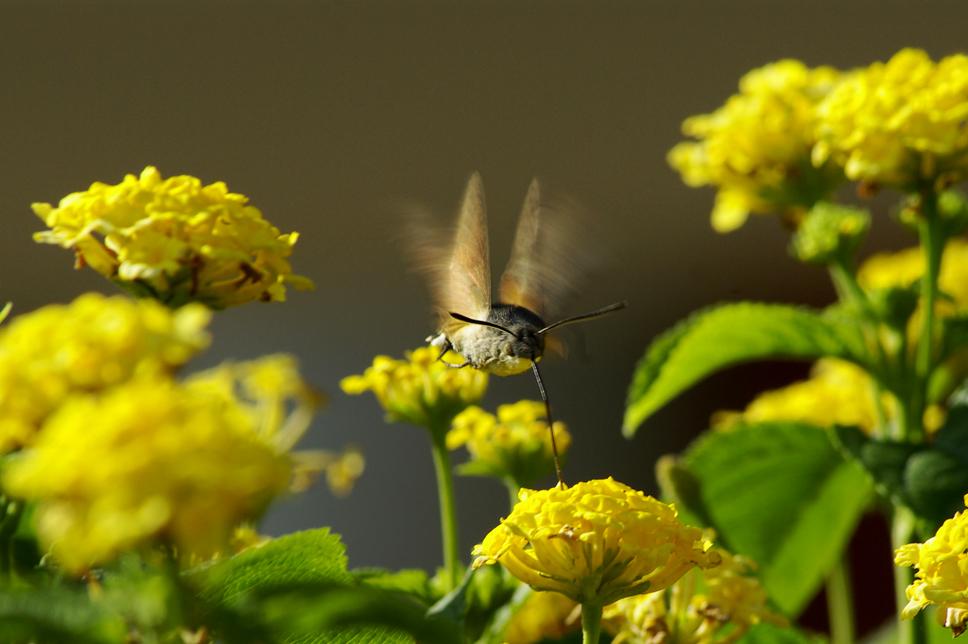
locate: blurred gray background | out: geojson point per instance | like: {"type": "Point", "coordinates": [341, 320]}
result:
{"type": "Point", "coordinates": [323, 113]}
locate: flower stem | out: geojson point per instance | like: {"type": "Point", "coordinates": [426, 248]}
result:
{"type": "Point", "coordinates": [910, 631]}
{"type": "Point", "coordinates": [513, 489]}
{"type": "Point", "coordinates": [931, 234]}
{"type": "Point", "coordinates": [840, 603]}
{"type": "Point", "coordinates": [591, 622]}
{"type": "Point", "coordinates": [448, 510]}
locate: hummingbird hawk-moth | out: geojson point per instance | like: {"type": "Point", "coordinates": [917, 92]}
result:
{"type": "Point", "coordinates": [508, 336]}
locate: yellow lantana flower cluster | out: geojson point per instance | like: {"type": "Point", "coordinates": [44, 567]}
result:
{"type": "Point", "coordinates": [544, 616]}
{"type": "Point", "coordinates": [420, 390]}
{"type": "Point", "coordinates": [595, 543]}
{"type": "Point", "coordinates": [174, 240]}
{"type": "Point", "coordinates": [904, 268]}
{"type": "Point", "coordinates": [161, 462]}
{"type": "Point", "coordinates": [756, 148]}
{"type": "Point", "coordinates": [93, 343]}
{"type": "Point", "coordinates": [837, 393]}
{"type": "Point", "coordinates": [942, 573]}
{"type": "Point", "coordinates": [682, 615]}
{"type": "Point", "coordinates": [900, 123]}
{"type": "Point", "coordinates": [280, 406]}
{"type": "Point", "coordinates": [515, 444]}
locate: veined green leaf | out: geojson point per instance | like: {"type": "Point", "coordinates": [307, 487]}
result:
{"type": "Point", "coordinates": [302, 557]}
{"type": "Point", "coordinates": [727, 335]}
{"type": "Point", "coordinates": [783, 495]}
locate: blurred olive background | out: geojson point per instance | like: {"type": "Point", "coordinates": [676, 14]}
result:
{"type": "Point", "coordinates": [326, 113]}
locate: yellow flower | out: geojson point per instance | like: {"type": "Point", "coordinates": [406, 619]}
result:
{"type": "Point", "coordinates": [942, 573]}
{"type": "Point", "coordinates": [515, 444]}
{"type": "Point", "coordinates": [756, 148]}
{"type": "Point", "coordinates": [904, 268]}
{"type": "Point", "coordinates": [175, 240]}
{"type": "Point", "coordinates": [92, 343]}
{"type": "Point", "coordinates": [837, 393]}
{"type": "Point", "coordinates": [281, 406]}
{"type": "Point", "coordinates": [145, 462]}
{"type": "Point", "coordinates": [543, 616]}
{"type": "Point", "coordinates": [421, 389]}
{"type": "Point", "coordinates": [681, 615]}
{"type": "Point", "coordinates": [901, 123]}
{"type": "Point", "coordinates": [595, 543]}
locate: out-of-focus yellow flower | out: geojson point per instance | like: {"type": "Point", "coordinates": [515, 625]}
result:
{"type": "Point", "coordinates": [92, 343]}
{"type": "Point", "coordinates": [683, 615]}
{"type": "Point", "coordinates": [175, 240]}
{"type": "Point", "coordinates": [901, 123]}
{"type": "Point", "coordinates": [756, 148]}
{"type": "Point", "coordinates": [281, 406]}
{"type": "Point", "coordinates": [515, 444]}
{"type": "Point", "coordinates": [145, 462]}
{"type": "Point", "coordinates": [904, 268]}
{"type": "Point", "coordinates": [544, 615]}
{"type": "Point", "coordinates": [942, 574]}
{"type": "Point", "coordinates": [595, 543]}
{"type": "Point", "coordinates": [421, 389]}
{"type": "Point", "coordinates": [837, 393]}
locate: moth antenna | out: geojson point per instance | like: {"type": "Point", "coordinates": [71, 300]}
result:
{"type": "Point", "coordinates": [611, 308]}
{"type": "Point", "coordinates": [551, 422]}
{"type": "Point", "coordinates": [464, 318]}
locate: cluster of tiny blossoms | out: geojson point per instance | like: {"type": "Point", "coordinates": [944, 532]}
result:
{"type": "Point", "coordinates": [756, 148]}
{"type": "Point", "coordinates": [280, 406]}
{"type": "Point", "coordinates": [942, 574]}
{"type": "Point", "coordinates": [900, 123]}
{"type": "Point", "coordinates": [175, 240]}
{"type": "Point", "coordinates": [163, 462]}
{"type": "Point", "coordinates": [682, 615]}
{"type": "Point", "coordinates": [421, 390]}
{"type": "Point", "coordinates": [515, 444]}
{"type": "Point", "coordinates": [595, 543]}
{"type": "Point", "coordinates": [93, 343]}
{"type": "Point", "coordinates": [793, 134]}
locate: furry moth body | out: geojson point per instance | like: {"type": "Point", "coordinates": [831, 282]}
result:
{"type": "Point", "coordinates": [509, 336]}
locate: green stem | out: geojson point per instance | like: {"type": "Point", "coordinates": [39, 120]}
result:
{"type": "Point", "coordinates": [847, 287]}
{"type": "Point", "coordinates": [931, 234]}
{"type": "Point", "coordinates": [910, 631]}
{"type": "Point", "coordinates": [840, 603]}
{"type": "Point", "coordinates": [513, 489]}
{"type": "Point", "coordinates": [591, 623]}
{"type": "Point", "coordinates": [448, 510]}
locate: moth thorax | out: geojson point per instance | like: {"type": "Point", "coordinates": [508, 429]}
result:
{"type": "Point", "coordinates": [524, 325]}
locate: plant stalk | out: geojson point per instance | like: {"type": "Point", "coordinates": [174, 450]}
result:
{"type": "Point", "coordinates": [931, 235]}
{"type": "Point", "coordinates": [910, 631]}
{"type": "Point", "coordinates": [448, 510]}
{"type": "Point", "coordinates": [591, 623]}
{"type": "Point", "coordinates": [840, 603]}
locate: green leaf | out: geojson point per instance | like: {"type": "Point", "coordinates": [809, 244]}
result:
{"type": "Point", "coordinates": [413, 583]}
{"type": "Point", "coordinates": [727, 335]}
{"type": "Point", "coordinates": [54, 615]}
{"type": "Point", "coordinates": [766, 633]}
{"type": "Point", "coordinates": [332, 613]}
{"type": "Point", "coordinates": [783, 495]}
{"type": "Point", "coordinates": [295, 559]}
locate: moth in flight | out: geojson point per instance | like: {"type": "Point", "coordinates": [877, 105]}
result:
{"type": "Point", "coordinates": [508, 336]}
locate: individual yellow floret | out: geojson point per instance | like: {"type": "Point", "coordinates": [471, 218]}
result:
{"type": "Point", "coordinates": [174, 240]}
